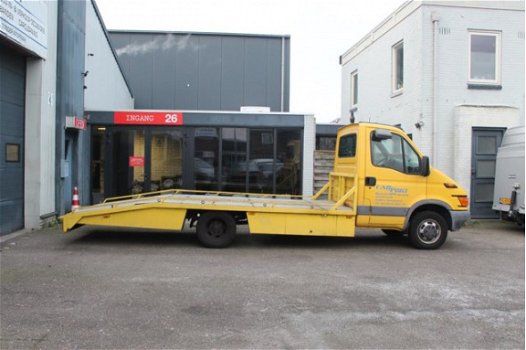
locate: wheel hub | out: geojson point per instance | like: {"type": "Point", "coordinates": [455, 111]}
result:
{"type": "Point", "coordinates": [429, 231]}
{"type": "Point", "coordinates": [216, 228]}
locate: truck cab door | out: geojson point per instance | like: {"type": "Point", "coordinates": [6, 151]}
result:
{"type": "Point", "coordinates": [393, 179]}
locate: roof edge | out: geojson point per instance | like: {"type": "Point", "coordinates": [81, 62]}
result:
{"type": "Point", "coordinates": [410, 6]}
{"type": "Point", "coordinates": [134, 31]}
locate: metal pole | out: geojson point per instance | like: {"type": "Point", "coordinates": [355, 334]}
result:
{"type": "Point", "coordinates": [434, 151]}
{"type": "Point", "coordinates": [282, 73]}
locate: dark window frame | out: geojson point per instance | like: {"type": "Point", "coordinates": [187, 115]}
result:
{"type": "Point", "coordinates": [354, 89]}
{"type": "Point", "coordinates": [397, 68]}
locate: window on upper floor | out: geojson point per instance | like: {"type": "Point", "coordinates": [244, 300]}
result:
{"type": "Point", "coordinates": [397, 58]}
{"type": "Point", "coordinates": [484, 57]}
{"type": "Point", "coordinates": [354, 89]}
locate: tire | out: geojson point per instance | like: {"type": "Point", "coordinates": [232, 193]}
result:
{"type": "Point", "coordinates": [520, 220]}
{"type": "Point", "coordinates": [216, 229]}
{"type": "Point", "coordinates": [394, 233]}
{"type": "Point", "coordinates": [428, 230]}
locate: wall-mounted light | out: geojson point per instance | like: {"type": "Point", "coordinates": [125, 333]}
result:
{"type": "Point", "coordinates": [419, 124]}
{"type": "Point", "coordinates": [85, 74]}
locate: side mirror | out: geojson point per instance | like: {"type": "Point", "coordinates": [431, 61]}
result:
{"type": "Point", "coordinates": [425, 166]}
{"type": "Point", "coordinates": [382, 134]}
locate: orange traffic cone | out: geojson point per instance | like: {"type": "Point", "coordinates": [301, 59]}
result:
{"type": "Point", "coordinates": [75, 203]}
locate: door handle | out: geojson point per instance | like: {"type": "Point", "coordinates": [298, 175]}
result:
{"type": "Point", "coordinates": [370, 181]}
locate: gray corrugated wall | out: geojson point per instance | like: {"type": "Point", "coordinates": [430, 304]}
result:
{"type": "Point", "coordinates": [70, 99]}
{"type": "Point", "coordinates": [197, 71]}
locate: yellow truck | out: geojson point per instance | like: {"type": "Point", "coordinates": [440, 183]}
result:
{"type": "Point", "coordinates": [380, 180]}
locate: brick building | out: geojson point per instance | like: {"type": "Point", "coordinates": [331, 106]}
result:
{"type": "Point", "coordinates": [451, 73]}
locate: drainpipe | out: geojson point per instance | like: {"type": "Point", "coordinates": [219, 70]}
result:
{"type": "Point", "coordinates": [282, 73]}
{"type": "Point", "coordinates": [434, 91]}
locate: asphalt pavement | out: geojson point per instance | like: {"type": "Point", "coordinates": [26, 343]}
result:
{"type": "Point", "coordinates": [99, 288]}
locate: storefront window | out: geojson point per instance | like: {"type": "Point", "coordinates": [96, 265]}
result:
{"type": "Point", "coordinates": [288, 162]}
{"type": "Point", "coordinates": [260, 165]}
{"type": "Point", "coordinates": [130, 161]}
{"type": "Point", "coordinates": [206, 159]}
{"type": "Point", "coordinates": [166, 159]}
{"type": "Point", "coordinates": [234, 159]}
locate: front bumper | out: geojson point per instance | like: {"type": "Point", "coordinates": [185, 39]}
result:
{"type": "Point", "coordinates": [458, 218]}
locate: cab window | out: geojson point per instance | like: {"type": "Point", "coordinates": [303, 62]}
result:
{"type": "Point", "coordinates": [411, 159]}
{"type": "Point", "coordinates": [395, 153]}
{"type": "Point", "coordinates": [347, 147]}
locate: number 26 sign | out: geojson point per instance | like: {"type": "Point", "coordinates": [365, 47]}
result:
{"type": "Point", "coordinates": [148, 118]}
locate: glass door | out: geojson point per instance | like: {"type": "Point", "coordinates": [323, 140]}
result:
{"type": "Point", "coordinates": [483, 161]}
{"type": "Point", "coordinates": [137, 161]}
{"type": "Point", "coordinates": [98, 154]}
{"type": "Point", "coordinates": [126, 162]}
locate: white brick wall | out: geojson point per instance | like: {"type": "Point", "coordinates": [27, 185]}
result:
{"type": "Point", "coordinates": [454, 117]}
{"type": "Point", "coordinates": [375, 100]}
{"type": "Point", "coordinates": [453, 50]}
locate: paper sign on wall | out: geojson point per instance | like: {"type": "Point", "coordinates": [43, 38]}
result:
{"type": "Point", "coordinates": [134, 161]}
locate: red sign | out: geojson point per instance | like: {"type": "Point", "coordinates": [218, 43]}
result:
{"type": "Point", "coordinates": [134, 161]}
{"type": "Point", "coordinates": [76, 123]}
{"type": "Point", "coordinates": [148, 118]}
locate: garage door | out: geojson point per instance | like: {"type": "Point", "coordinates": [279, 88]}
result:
{"type": "Point", "coordinates": [12, 91]}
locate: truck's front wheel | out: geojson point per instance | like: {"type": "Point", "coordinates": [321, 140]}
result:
{"type": "Point", "coordinates": [216, 229]}
{"type": "Point", "coordinates": [428, 230]}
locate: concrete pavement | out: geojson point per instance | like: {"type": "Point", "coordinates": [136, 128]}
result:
{"type": "Point", "coordinates": [98, 288]}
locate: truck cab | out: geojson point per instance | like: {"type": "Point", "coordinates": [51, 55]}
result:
{"type": "Point", "coordinates": [398, 190]}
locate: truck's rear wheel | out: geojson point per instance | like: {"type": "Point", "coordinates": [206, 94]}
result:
{"type": "Point", "coordinates": [216, 229]}
{"type": "Point", "coordinates": [428, 230]}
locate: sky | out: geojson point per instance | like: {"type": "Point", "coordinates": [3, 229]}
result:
{"type": "Point", "coordinates": [320, 32]}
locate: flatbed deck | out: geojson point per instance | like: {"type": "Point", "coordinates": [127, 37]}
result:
{"type": "Point", "coordinates": [264, 213]}
{"type": "Point", "coordinates": [233, 201]}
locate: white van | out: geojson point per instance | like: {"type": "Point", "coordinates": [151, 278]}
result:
{"type": "Point", "coordinates": [508, 197]}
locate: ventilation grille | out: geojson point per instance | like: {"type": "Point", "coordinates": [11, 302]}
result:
{"type": "Point", "coordinates": [444, 30]}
